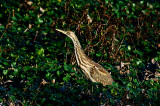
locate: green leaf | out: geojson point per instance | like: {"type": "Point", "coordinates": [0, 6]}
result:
{"type": "Point", "coordinates": [15, 71]}
{"type": "Point", "coordinates": [11, 76]}
{"type": "Point", "coordinates": [5, 72]}
{"type": "Point", "coordinates": [26, 68]}
{"type": "Point", "coordinates": [40, 21]}
{"type": "Point", "coordinates": [129, 47]}
{"type": "Point", "coordinates": [99, 54]}
{"type": "Point", "coordinates": [40, 52]}
{"type": "Point", "coordinates": [2, 27]}
{"type": "Point", "coordinates": [1, 15]}
{"type": "Point", "coordinates": [5, 63]}
{"type": "Point", "coordinates": [59, 73]}
{"type": "Point", "coordinates": [67, 67]}
{"type": "Point", "coordinates": [48, 75]}
{"type": "Point", "coordinates": [14, 18]}
{"type": "Point", "coordinates": [27, 17]}
{"type": "Point", "coordinates": [67, 78]}
{"type": "Point", "coordinates": [13, 63]}
{"type": "Point", "coordinates": [135, 80]}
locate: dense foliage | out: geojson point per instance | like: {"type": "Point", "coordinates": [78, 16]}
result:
{"type": "Point", "coordinates": [37, 64]}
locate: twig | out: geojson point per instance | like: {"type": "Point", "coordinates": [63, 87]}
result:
{"type": "Point", "coordinates": [6, 26]}
{"type": "Point", "coordinates": [121, 43]}
{"type": "Point", "coordinates": [88, 46]}
{"type": "Point", "coordinates": [36, 92]}
{"type": "Point", "coordinates": [36, 35]}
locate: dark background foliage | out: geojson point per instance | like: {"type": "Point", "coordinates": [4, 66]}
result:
{"type": "Point", "coordinates": [37, 64]}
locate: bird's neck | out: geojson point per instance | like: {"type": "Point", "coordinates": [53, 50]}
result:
{"type": "Point", "coordinates": [79, 53]}
{"type": "Point", "coordinates": [78, 49]}
{"type": "Point", "coordinates": [81, 57]}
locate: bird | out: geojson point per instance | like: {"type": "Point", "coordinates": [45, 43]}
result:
{"type": "Point", "coordinates": [92, 70]}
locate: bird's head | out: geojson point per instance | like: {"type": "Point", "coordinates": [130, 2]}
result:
{"type": "Point", "coordinates": [70, 34]}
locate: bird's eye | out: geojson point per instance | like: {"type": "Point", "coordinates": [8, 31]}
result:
{"type": "Point", "coordinates": [68, 33]}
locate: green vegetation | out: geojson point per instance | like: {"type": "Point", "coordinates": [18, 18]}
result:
{"type": "Point", "coordinates": [37, 64]}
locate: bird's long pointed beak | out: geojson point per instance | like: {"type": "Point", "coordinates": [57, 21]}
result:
{"type": "Point", "coordinates": [64, 32]}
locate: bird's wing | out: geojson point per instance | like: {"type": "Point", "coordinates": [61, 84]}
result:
{"type": "Point", "coordinates": [99, 74]}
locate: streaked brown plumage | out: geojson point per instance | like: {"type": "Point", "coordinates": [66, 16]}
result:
{"type": "Point", "coordinates": [93, 71]}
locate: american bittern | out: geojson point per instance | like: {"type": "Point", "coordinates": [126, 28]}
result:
{"type": "Point", "coordinates": [93, 71]}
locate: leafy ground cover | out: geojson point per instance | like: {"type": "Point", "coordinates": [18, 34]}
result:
{"type": "Point", "coordinates": [37, 64]}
